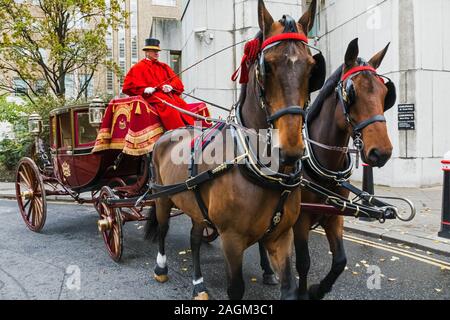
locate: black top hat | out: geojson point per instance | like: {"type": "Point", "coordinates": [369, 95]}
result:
{"type": "Point", "coordinates": [152, 44]}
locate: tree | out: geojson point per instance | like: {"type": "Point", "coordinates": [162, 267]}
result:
{"type": "Point", "coordinates": [50, 39]}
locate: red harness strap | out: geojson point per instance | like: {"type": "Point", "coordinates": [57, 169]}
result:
{"type": "Point", "coordinates": [360, 69]}
{"type": "Point", "coordinates": [254, 47]}
{"type": "Point", "coordinates": [283, 37]}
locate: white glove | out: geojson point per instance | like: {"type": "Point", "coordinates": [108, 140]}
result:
{"type": "Point", "coordinates": [149, 90]}
{"type": "Point", "coordinates": [167, 88]}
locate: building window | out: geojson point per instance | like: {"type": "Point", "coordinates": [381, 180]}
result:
{"type": "Point", "coordinates": [70, 86]}
{"type": "Point", "coordinates": [122, 48]}
{"type": "Point", "coordinates": [315, 30]}
{"type": "Point", "coordinates": [169, 3]}
{"type": "Point", "coordinates": [175, 61]}
{"type": "Point", "coordinates": [109, 81]}
{"type": "Point", "coordinates": [20, 87]}
{"type": "Point", "coordinates": [40, 86]}
{"type": "Point", "coordinates": [89, 91]}
{"type": "Point", "coordinates": [133, 31]}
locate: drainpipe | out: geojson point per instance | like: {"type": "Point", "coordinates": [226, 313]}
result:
{"type": "Point", "coordinates": [234, 49]}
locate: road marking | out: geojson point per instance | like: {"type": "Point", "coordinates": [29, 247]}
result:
{"type": "Point", "coordinates": [412, 255]}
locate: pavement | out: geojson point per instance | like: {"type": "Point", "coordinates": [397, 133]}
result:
{"type": "Point", "coordinates": [421, 233]}
{"type": "Point", "coordinates": [67, 260]}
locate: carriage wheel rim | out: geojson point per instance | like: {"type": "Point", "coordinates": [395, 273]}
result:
{"type": "Point", "coordinates": [113, 237]}
{"type": "Point", "coordinates": [32, 206]}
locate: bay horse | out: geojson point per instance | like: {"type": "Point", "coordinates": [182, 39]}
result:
{"type": "Point", "coordinates": [243, 210]}
{"type": "Point", "coordinates": [350, 105]}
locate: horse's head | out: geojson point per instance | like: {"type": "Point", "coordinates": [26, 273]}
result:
{"type": "Point", "coordinates": [287, 73]}
{"type": "Point", "coordinates": [365, 96]}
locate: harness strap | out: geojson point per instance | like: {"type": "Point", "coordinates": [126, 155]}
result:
{"type": "Point", "coordinates": [366, 123]}
{"type": "Point", "coordinates": [293, 110]}
{"type": "Point", "coordinates": [279, 211]}
{"type": "Point", "coordinates": [193, 169]}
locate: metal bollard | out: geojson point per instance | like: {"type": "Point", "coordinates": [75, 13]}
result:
{"type": "Point", "coordinates": [367, 186]}
{"type": "Point", "coordinates": [445, 224]}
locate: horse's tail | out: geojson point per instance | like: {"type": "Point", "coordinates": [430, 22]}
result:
{"type": "Point", "coordinates": [151, 226]}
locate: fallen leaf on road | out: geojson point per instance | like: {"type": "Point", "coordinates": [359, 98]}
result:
{"type": "Point", "coordinates": [363, 261]}
{"type": "Point", "coordinates": [382, 260]}
{"type": "Point", "coordinates": [346, 268]}
{"type": "Point", "coordinates": [357, 265]}
{"type": "Point", "coordinates": [184, 260]}
{"type": "Point", "coordinates": [392, 279]}
{"type": "Point", "coordinates": [437, 241]}
{"type": "Point", "coordinates": [429, 253]}
{"type": "Point", "coordinates": [140, 227]}
{"type": "Point", "coordinates": [355, 273]}
{"type": "Point", "coordinates": [382, 275]}
{"type": "Point", "coordinates": [182, 253]}
{"type": "Point", "coordinates": [184, 269]}
{"type": "Point", "coordinates": [253, 279]}
{"type": "Point", "coordinates": [394, 258]}
{"type": "Point", "coordinates": [329, 252]}
{"type": "Point", "coordinates": [438, 290]}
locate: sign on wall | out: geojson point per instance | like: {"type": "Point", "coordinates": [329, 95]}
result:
{"type": "Point", "coordinates": [406, 117]}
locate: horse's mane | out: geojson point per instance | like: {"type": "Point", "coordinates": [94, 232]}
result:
{"type": "Point", "coordinates": [327, 89]}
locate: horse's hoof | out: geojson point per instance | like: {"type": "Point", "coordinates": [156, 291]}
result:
{"type": "Point", "coordinates": [202, 296]}
{"type": "Point", "coordinates": [315, 292]}
{"type": "Point", "coordinates": [162, 278]}
{"type": "Point", "coordinates": [270, 279]}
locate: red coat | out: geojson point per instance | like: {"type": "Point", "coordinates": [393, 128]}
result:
{"type": "Point", "coordinates": [152, 73]}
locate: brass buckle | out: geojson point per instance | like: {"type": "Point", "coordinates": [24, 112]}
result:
{"type": "Point", "coordinates": [189, 185]}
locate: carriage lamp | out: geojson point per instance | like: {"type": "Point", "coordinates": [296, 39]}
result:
{"type": "Point", "coordinates": [96, 112]}
{"type": "Point", "coordinates": [35, 124]}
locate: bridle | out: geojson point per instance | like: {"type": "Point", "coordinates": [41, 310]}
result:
{"type": "Point", "coordinates": [260, 76]}
{"type": "Point", "coordinates": [346, 95]}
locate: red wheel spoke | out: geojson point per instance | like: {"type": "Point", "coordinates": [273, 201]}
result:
{"type": "Point", "coordinates": [22, 175]}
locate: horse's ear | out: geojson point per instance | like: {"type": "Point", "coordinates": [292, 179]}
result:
{"type": "Point", "coordinates": [378, 58]}
{"type": "Point", "coordinates": [264, 18]}
{"type": "Point", "coordinates": [307, 21]}
{"type": "Point", "coordinates": [352, 53]}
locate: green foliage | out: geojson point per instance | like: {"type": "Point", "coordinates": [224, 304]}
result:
{"type": "Point", "coordinates": [12, 150]}
{"type": "Point", "coordinates": [49, 39]}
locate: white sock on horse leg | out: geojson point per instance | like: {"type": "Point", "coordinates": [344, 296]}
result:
{"type": "Point", "coordinates": [161, 260]}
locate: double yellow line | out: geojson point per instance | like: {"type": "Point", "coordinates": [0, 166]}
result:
{"type": "Point", "coordinates": [412, 255]}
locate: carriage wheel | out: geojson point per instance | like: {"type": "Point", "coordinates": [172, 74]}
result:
{"type": "Point", "coordinates": [110, 225]}
{"type": "Point", "coordinates": [30, 194]}
{"type": "Point", "coordinates": [209, 234]}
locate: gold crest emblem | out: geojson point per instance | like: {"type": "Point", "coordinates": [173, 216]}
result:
{"type": "Point", "coordinates": [122, 125]}
{"type": "Point", "coordinates": [66, 169]}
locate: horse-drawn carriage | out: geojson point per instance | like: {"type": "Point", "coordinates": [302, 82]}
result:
{"type": "Point", "coordinates": [86, 158]}
{"type": "Point", "coordinates": [112, 162]}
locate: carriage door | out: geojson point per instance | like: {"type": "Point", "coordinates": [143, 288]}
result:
{"type": "Point", "coordinates": [66, 149]}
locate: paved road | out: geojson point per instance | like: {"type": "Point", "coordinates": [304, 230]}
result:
{"type": "Point", "coordinates": [41, 266]}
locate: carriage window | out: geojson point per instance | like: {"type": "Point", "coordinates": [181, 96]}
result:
{"type": "Point", "coordinates": [66, 130]}
{"type": "Point", "coordinates": [86, 133]}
